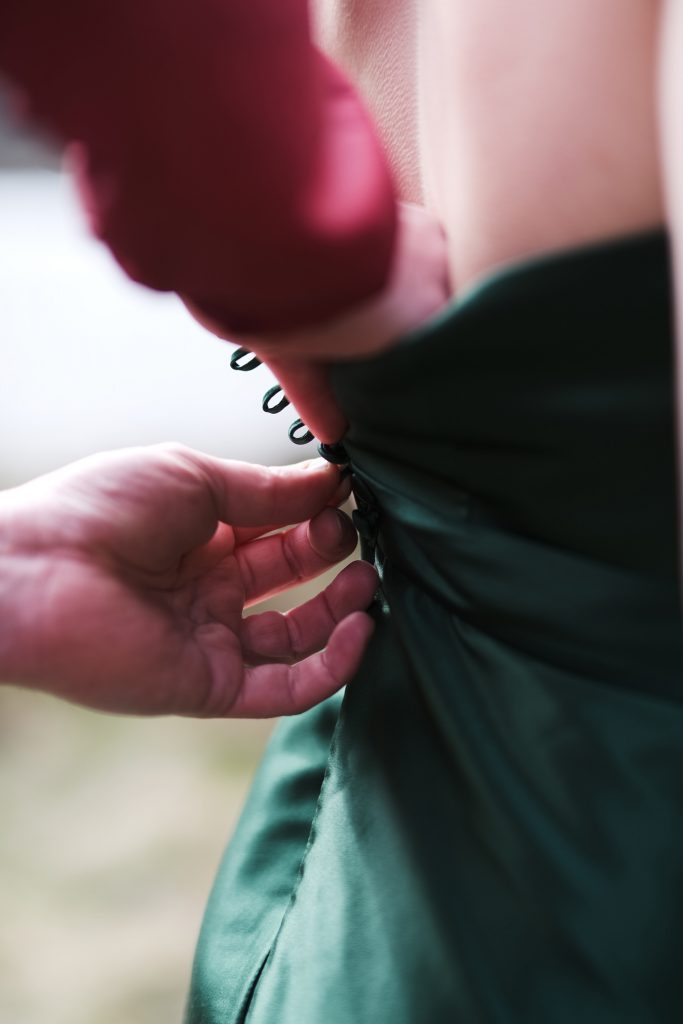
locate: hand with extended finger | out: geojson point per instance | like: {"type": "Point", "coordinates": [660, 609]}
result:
{"type": "Point", "coordinates": [124, 577]}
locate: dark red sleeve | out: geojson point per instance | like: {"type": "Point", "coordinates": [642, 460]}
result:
{"type": "Point", "coordinates": [220, 155]}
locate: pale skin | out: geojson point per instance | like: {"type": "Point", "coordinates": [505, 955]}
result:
{"type": "Point", "coordinates": [124, 577]}
{"type": "Point", "coordinates": [521, 129]}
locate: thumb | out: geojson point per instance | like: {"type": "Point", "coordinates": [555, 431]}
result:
{"type": "Point", "coordinates": [247, 495]}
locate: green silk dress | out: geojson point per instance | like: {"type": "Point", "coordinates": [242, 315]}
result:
{"type": "Point", "coordinates": [488, 827]}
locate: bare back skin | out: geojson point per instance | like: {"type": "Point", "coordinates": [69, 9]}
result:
{"type": "Point", "coordinates": [526, 127]}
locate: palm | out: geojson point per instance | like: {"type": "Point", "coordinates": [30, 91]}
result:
{"type": "Point", "coordinates": [136, 641]}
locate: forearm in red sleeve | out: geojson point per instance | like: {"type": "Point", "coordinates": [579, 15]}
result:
{"type": "Point", "coordinates": [219, 154]}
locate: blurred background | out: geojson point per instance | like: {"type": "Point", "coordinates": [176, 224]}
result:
{"type": "Point", "coordinates": [112, 828]}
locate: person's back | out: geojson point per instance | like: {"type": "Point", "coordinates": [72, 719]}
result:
{"type": "Point", "coordinates": [527, 127]}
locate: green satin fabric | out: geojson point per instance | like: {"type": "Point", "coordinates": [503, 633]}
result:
{"type": "Point", "coordinates": [491, 827]}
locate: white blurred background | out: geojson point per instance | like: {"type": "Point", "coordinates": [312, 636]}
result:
{"type": "Point", "coordinates": [92, 361]}
{"type": "Point", "coordinates": [112, 828]}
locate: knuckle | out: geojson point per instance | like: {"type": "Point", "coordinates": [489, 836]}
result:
{"type": "Point", "coordinates": [295, 638]}
{"type": "Point", "coordinates": [291, 553]}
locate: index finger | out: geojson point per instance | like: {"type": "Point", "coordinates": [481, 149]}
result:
{"type": "Point", "coordinates": [247, 495]}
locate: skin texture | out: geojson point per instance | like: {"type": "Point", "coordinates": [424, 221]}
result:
{"type": "Point", "coordinates": [524, 128]}
{"type": "Point", "coordinates": [123, 580]}
{"type": "Point", "coordinates": [527, 127]}
{"type": "Point", "coordinates": [383, 65]}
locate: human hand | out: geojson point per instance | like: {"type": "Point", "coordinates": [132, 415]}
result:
{"type": "Point", "coordinates": [418, 288]}
{"type": "Point", "coordinates": [123, 579]}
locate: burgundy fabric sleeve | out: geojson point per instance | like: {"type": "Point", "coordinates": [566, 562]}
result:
{"type": "Point", "coordinates": [219, 154]}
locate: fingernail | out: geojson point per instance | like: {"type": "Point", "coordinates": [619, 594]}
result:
{"type": "Point", "coordinates": [331, 532]}
{"type": "Point", "coordinates": [344, 526]}
{"type": "Point", "coordinates": [343, 490]}
{"type": "Point", "coordinates": [341, 529]}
